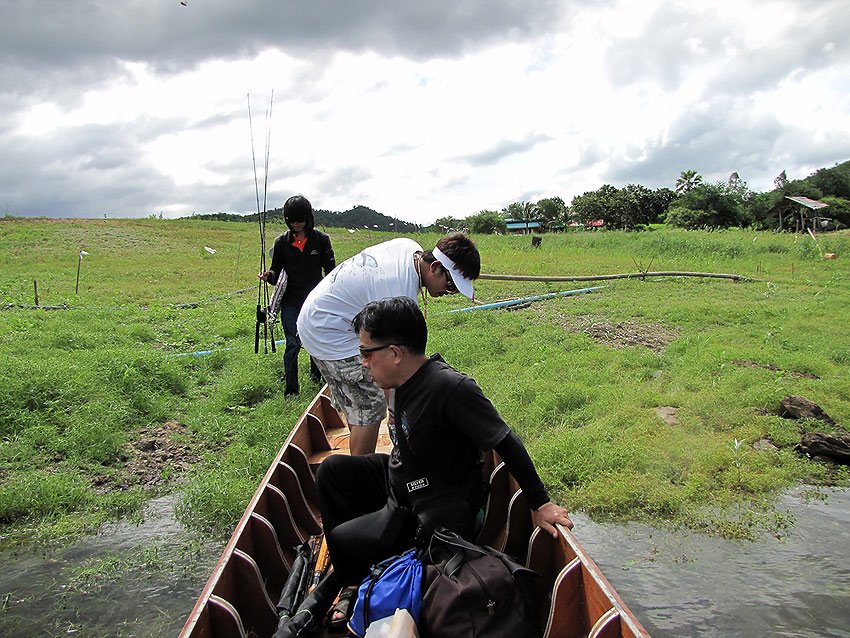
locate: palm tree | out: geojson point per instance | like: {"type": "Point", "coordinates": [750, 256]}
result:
{"type": "Point", "coordinates": [528, 214]}
{"type": "Point", "coordinates": [688, 180]}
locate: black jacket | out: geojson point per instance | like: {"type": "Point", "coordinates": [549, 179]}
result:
{"type": "Point", "coordinates": [304, 269]}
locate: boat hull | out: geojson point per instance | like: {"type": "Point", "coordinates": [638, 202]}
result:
{"type": "Point", "coordinates": [239, 599]}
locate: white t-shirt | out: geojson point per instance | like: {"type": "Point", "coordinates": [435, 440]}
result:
{"type": "Point", "coordinates": [375, 273]}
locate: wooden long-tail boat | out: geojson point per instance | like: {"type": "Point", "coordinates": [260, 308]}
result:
{"type": "Point", "coordinates": [239, 599]}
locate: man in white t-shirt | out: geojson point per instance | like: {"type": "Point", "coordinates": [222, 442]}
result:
{"type": "Point", "coordinates": [396, 268]}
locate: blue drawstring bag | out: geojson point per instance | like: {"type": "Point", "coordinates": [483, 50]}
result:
{"type": "Point", "coordinates": [395, 583]}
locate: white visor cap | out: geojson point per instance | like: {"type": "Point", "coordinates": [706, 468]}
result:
{"type": "Point", "coordinates": [463, 284]}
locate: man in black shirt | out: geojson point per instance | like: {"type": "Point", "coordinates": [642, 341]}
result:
{"type": "Point", "coordinates": [376, 505]}
{"type": "Point", "coordinates": [302, 253]}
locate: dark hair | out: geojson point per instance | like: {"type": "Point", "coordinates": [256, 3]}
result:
{"type": "Point", "coordinates": [299, 207]}
{"type": "Point", "coordinates": [394, 320]}
{"type": "Point", "coordinates": [461, 250]}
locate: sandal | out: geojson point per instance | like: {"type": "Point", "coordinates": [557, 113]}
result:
{"type": "Point", "coordinates": [340, 612]}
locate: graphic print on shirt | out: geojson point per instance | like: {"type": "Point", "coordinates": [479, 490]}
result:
{"type": "Point", "coordinates": [358, 269]}
{"type": "Point", "coordinates": [404, 429]}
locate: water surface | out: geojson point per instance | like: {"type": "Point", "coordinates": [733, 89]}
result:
{"type": "Point", "coordinates": [691, 585]}
{"type": "Point", "coordinates": [142, 580]}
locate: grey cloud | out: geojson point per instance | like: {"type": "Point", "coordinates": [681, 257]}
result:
{"type": "Point", "coordinates": [503, 149]}
{"type": "Point", "coordinates": [344, 181]}
{"type": "Point", "coordinates": [716, 141]}
{"type": "Point", "coordinates": [678, 42]}
{"type": "Point", "coordinates": [61, 34]}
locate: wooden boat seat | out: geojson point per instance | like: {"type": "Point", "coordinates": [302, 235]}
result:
{"type": "Point", "coordinates": [259, 541]}
{"type": "Point", "coordinates": [241, 584]}
{"type": "Point", "coordinates": [220, 618]}
{"type": "Point", "coordinates": [286, 480]}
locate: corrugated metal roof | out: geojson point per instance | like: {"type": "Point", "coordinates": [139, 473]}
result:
{"type": "Point", "coordinates": [808, 203]}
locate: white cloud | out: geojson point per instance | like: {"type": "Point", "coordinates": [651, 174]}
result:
{"type": "Point", "coordinates": [431, 111]}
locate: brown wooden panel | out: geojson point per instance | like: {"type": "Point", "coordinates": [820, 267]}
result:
{"type": "Point", "coordinates": [599, 594]}
{"type": "Point", "coordinates": [598, 601]}
{"type": "Point", "coordinates": [201, 627]}
{"type": "Point", "coordinates": [567, 617]}
{"type": "Point", "coordinates": [296, 458]}
{"type": "Point", "coordinates": [241, 585]}
{"type": "Point", "coordinates": [519, 527]}
{"type": "Point", "coordinates": [260, 542]}
{"type": "Point", "coordinates": [608, 626]}
{"type": "Point", "coordinates": [318, 436]}
{"type": "Point", "coordinates": [285, 479]}
{"type": "Point", "coordinates": [281, 518]}
{"type": "Point", "coordinates": [496, 510]}
{"type": "Point", "coordinates": [328, 414]}
{"type": "Point", "coordinates": [224, 620]}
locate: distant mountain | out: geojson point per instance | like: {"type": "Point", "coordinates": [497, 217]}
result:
{"type": "Point", "coordinates": [357, 217]}
{"type": "Point", "coordinates": [360, 217]}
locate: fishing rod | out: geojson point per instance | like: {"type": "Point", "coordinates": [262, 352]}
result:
{"type": "Point", "coordinates": [262, 317]}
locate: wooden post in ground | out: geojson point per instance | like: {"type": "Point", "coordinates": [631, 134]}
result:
{"type": "Point", "coordinates": [35, 285]}
{"type": "Point", "coordinates": [79, 262]}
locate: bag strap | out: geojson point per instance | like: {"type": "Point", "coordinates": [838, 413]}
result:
{"type": "Point", "coordinates": [374, 576]}
{"type": "Point", "coordinates": [456, 561]}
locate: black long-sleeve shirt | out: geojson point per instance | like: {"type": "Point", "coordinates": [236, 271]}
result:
{"type": "Point", "coordinates": [303, 268]}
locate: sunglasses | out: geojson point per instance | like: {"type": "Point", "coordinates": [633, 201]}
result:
{"type": "Point", "coordinates": [296, 220]}
{"type": "Point", "coordinates": [450, 284]}
{"type": "Point", "coordinates": [367, 353]}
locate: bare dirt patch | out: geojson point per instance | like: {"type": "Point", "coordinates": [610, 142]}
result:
{"type": "Point", "coordinates": [621, 334]}
{"type": "Point", "coordinates": [770, 366]}
{"type": "Point", "coordinates": [159, 456]}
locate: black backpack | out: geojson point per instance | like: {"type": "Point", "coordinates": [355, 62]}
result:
{"type": "Point", "coordinates": [470, 590]}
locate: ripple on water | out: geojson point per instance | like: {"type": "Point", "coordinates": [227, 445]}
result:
{"type": "Point", "coordinates": [682, 584]}
{"type": "Point", "coordinates": [129, 580]}
{"type": "Point", "coordinates": [677, 584]}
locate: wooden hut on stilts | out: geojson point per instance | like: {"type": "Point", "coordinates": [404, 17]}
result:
{"type": "Point", "coordinates": [800, 213]}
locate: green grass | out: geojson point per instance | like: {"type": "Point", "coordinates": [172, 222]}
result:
{"type": "Point", "coordinates": [79, 385]}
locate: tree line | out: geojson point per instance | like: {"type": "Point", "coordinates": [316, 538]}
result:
{"type": "Point", "coordinates": [691, 204]}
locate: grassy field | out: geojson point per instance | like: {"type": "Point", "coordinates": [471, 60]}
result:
{"type": "Point", "coordinates": [99, 414]}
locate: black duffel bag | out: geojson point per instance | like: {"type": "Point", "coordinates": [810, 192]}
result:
{"type": "Point", "coordinates": [472, 590]}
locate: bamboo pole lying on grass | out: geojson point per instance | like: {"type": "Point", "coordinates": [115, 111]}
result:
{"type": "Point", "coordinates": [644, 275]}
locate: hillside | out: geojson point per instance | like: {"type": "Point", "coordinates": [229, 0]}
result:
{"type": "Point", "coordinates": [357, 217]}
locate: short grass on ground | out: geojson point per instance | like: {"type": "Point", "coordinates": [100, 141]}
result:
{"type": "Point", "coordinates": [105, 405]}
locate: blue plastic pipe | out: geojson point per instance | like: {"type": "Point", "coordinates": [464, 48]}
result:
{"type": "Point", "coordinates": [514, 302]}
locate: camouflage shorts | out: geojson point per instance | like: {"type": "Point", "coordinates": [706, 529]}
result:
{"type": "Point", "coordinates": [353, 391]}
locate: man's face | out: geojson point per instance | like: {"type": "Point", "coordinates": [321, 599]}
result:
{"type": "Point", "coordinates": [380, 360]}
{"type": "Point", "coordinates": [437, 280]}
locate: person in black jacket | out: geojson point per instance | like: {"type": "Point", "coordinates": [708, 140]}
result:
{"type": "Point", "coordinates": [302, 253]}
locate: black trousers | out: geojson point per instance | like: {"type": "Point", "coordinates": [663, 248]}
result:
{"type": "Point", "coordinates": [363, 524]}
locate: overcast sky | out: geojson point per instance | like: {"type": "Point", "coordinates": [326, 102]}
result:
{"type": "Point", "coordinates": [415, 109]}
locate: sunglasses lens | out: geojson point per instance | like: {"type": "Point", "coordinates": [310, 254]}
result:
{"type": "Point", "coordinates": [450, 284]}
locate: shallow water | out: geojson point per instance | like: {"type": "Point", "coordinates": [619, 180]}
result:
{"type": "Point", "coordinates": [677, 584]}
{"type": "Point", "coordinates": [691, 585]}
{"type": "Point", "coordinates": [129, 580]}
